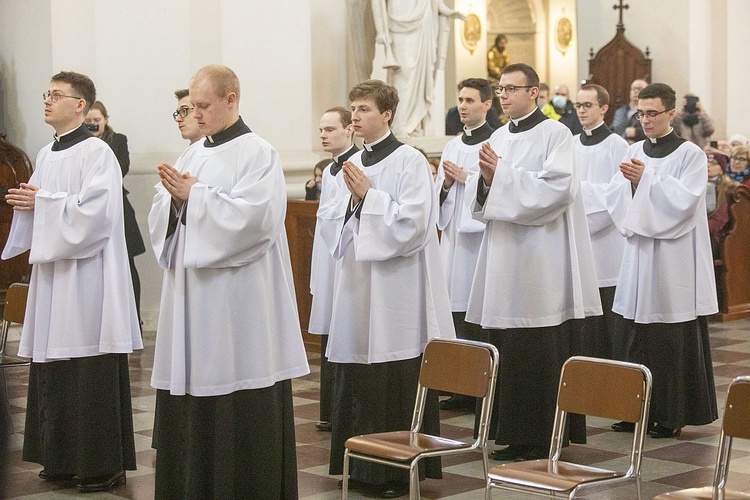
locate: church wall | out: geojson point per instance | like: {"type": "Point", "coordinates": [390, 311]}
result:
{"type": "Point", "coordinates": [562, 66]}
{"type": "Point", "coordinates": [737, 74]}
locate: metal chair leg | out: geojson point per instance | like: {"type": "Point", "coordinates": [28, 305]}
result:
{"type": "Point", "coordinates": [345, 479]}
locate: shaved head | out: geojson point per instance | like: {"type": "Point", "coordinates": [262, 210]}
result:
{"type": "Point", "coordinates": [222, 79]}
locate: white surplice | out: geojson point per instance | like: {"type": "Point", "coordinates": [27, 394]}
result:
{"type": "Point", "coordinates": [391, 297]}
{"type": "Point", "coordinates": [461, 233]}
{"type": "Point", "coordinates": [598, 164]}
{"type": "Point", "coordinates": [80, 300]}
{"type": "Point", "coordinates": [228, 318]}
{"type": "Point", "coordinates": [667, 272]}
{"type": "Point", "coordinates": [323, 266]}
{"type": "Point", "coordinates": [535, 266]}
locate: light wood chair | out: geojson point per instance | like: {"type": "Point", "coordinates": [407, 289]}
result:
{"type": "Point", "coordinates": [589, 386]}
{"type": "Point", "coordinates": [451, 365]}
{"type": "Point", "coordinates": [13, 312]}
{"type": "Point", "coordinates": [735, 424]}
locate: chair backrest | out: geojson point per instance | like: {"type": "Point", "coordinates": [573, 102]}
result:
{"type": "Point", "coordinates": [15, 303]}
{"type": "Point", "coordinates": [736, 421]}
{"type": "Point", "coordinates": [456, 366]}
{"type": "Point", "coordinates": [603, 388]}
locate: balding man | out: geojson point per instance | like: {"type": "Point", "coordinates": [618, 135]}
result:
{"type": "Point", "coordinates": [228, 340]}
{"type": "Point", "coordinates": [624, 123]}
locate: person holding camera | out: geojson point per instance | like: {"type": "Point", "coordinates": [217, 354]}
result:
{"type": "Point", "coordinates": [97, 122]}
{"type": "Point", "coordinates": [691, 122]}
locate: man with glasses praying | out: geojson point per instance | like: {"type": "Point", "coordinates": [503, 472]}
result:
{"type": "Point", "coordinates": [184, 117]}
{"type": "Point", "coordinates": [599, 153]}
{"type": "Point", "coordinates": [81, 319]}
{"type": "Point", "coordinates": [535, 270]}
{"type": "Point", "coordinates": [666, 283]}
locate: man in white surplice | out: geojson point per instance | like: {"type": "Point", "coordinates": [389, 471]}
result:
{"type": "Point", "coordinates": [228, 341]}
{"type": "Point", "coordinates": [599, 154]}
{"type": "Point", "coordinates": [336, 139]}
{"type": "Point", "coordinates": [390, 297]}
{"type": "Point", "coordinates": [456, 183]}
{"type": "Point", "coordinates": [535, 272]}
{"type": "Point", "coordinates": [666, 283]}
{"type": "Point", "coordinates": [81, 319]}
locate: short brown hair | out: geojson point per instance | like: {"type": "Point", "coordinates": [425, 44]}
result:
{"type": "Point", "coordinates": [483, 86]}
{"type": "Point", "coordinates": [532, 78]}
{"type": "Point", "coordinates": [602, 96]}
{"type": "Point", "coordinates": [661, 91]}
{"type": "Point", "coordinates": [81, 84]}
{"type": "Point", "coordinates": [385, 96]}
{"type": "Point", "coordinates": [180, 93]}
{"type": "Point", "coordinates": [223, 80]}
{"type": "Point", "coordinates": [345, 115]}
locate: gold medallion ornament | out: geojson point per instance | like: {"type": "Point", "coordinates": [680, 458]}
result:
{"type": "Point", "coordinates": [564, 33]}
{"type": "Point", "coordinates": [471, 32]}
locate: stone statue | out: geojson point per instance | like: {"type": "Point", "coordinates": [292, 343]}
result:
{"type": "Point", "coordinates": [414, 34]}
{"type": "Point", "coordinates": [497, 57]}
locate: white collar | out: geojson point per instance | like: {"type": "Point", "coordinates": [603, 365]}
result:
{"type": "Point", "coordinates": [516, 120]}
{"type": "Point", "coordinates": [591, 131]}
{"type": "Point", "coordinates": [368, 147]}
{"type": "Point", "coordinates": [469, 131]}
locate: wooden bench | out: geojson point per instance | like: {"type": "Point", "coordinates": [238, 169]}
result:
{"type": "Point", "coordinates": [733, 263]}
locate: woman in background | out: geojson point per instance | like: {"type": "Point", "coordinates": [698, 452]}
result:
{"type": "Point", "coordinates": [97, 121]}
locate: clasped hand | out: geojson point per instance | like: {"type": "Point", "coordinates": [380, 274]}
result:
{"type": "Point", "coordinates": [22, 198]}
{"type": "Point", "coordinates": [177, 185]}
{"type": "Point", "coordinates": [356, 181]}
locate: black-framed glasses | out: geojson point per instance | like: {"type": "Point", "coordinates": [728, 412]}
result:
{"type": "Point", "coordinates": [585, 105]}
{"type": "Point", "coordinates": [182, 112]}
{"type": "Point", "coordinates": [55, 96]}
{"type": "Point", "coordinates": [640, 115]}
{"type": "Point", "coordinates": [511, 89]}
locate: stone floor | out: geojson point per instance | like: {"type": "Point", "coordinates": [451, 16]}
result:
{"type": "Point", "coordinates": [668, 464]}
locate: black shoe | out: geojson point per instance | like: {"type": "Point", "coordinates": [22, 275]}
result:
{"type": "Point", "coordinates": [101, 483]}
{"type": "Point", "coordinates": [458, 402]}
{"type": "Point", "coordinates": [659, 431]}
{"type": "Point", "coordinates": [394, 490]}
{"type": "Point", "coordinates": [509, 453]}
{"type": "Point", "coordinates": [623, 427]}
{"type": "Point", "coordinates": [43, 474]}
{"type": "Point", "coordinates": [323, 426]}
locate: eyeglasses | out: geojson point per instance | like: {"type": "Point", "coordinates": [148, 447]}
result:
{"type": "Point", "coordinates": [182, 113]}
{"type": "Point", "coordinates": [511, 89]}
{"type": "Point", "coordinates": [640, 115]}
{"type": "Point", "coordinates": [55, 96]}
{"type": "Point", "coordinates": [585, 105]}
{"type": "Point", "coordinates": [738, 158]}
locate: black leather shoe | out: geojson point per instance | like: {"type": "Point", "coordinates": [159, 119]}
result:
{"type": "Point", "coordinates": [511, 452]}
{"type": "Point", "coordinates": [623, 427]}
{"type": "Point", "coordinates": [101, 483]}
{"type": "Point", "coordinates": [323, 426]}
{"type": "Point", "coordinates": [43, 474]}
{"type": "Point", "coordinates": [659, 431]}
{"type": "Point", "coordinates": [458, 402]}
{"type": "Point", "coordinates": [394, 490]}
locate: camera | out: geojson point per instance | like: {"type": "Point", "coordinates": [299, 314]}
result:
{"type": "Point", "coordinates": [691, 104]}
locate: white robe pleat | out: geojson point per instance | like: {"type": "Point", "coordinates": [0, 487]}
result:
{"type": "Point", "coordinates": [228, 318]}
{"type": "Point", "coordinates": [80, 300]}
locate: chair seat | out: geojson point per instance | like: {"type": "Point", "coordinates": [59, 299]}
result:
{"type": "Point", "coordinates": [402, 446]}
{"type": "Point", "coordinates": [536, 474]}
{"type": "Point", "coordinates": [8, 361]}
{"type": "Point", "coordinates": [705, 493]}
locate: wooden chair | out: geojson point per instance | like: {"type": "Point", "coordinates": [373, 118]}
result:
{"type": "Point", "coordinates": [590, 386]}
{"type": "Point", "coordinates": [451, 365]}
{"type": "Point", "coordinates": [13, 312]}
{"type": "Point", "coordinates": [736, 424]}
